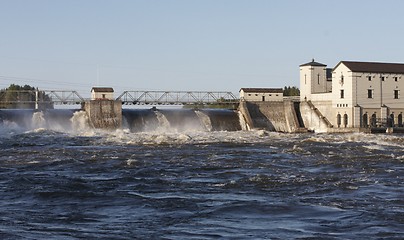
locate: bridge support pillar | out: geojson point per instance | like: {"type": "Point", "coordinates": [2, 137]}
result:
{"type": "Point", "coordinates": [106, 114]}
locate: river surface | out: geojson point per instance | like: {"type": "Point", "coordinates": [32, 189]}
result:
{"type": "Point", "coordinates": [82, 183]}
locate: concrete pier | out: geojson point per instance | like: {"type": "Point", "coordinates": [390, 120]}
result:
{"type": "Point", "coordinates": [103, 113]}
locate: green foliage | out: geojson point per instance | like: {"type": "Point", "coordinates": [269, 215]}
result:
{"type": "Point", "coordinates": [14, 87]}
{"type": "Point", "coordinates": [16, 96]}
{"type": "Point", "coordinates": [291, 91]}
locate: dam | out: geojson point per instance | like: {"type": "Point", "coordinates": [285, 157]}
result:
{"type": "Point", "coordinates": [135, 120]}
{"type": "Point", "coordinates": [103, 111]}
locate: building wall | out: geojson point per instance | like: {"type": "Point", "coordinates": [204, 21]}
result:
{"type": "Point", "coordinates": [261, 97]}
{"type": "Point", "coordinates": [342, 81]}
{"type": "Point", "coordinates": [356, 86]}
{"type": "Point", "coordinates": [321, 97]}
{"type": "Point", "coordinates": [344, 96]}
{"type": "Point", "coordinates": [305, 83]}
{"type": "Point", "coordinates": [329, 86]}
{"type": "Point", "coordinates": [313, 79]}
{"type": "Point", "coordinates": [102, 95]}
{"type": "Point", "coordinates": [383, 90]}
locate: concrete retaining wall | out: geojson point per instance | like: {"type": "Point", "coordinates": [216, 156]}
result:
{"type": "Point", "coordinates": [105, 114]}
{"type": "Point", "coordinates": [313, 116]}
{"type": "Point", "coordinates": [272, 116]}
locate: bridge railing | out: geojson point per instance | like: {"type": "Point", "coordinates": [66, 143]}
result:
{"type": "Point", "coordinates": [40, 96]}
{"type": "Point", "coordinates": [176, 97]}
{"type": "Point", "coordinates": [65, 97]}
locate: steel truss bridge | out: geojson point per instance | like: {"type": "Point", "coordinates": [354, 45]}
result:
{"type": "Point", "coordinates": [176, 98]}
{"type": "Point", "coordinates": [40, 96]}
{"type": "Point", "coordinates": [61, 97]}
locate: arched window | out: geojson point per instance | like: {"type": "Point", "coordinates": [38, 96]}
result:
{"type": "Point", "coordinates": [373, 120]}
{"type": "Point", "coordinates": [345, 120]}
{"type": "Point", "coordinates": [400, 120]}
{"type": "Point", "coordinates": [390, 121]}
{"type": "Point", "coordinates": [339, 120]}
{"type": "Point", "coordinates": [365, 120]}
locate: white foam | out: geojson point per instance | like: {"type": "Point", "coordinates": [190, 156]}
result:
{"type": "Point", "coordinates": [38, 120]}
{"type": "Point", "coordinates": [164, 124]}
{"type": "Point", "coordinates": [80, 124]}
{"type": "Point", "coordinates": [205, 120]}
{"type": "Point", "coordinates": [243, 123]}
{"type": "Point", "coordinates": [8, 128]}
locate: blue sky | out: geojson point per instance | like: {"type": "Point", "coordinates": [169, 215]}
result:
{"type": "Point", "coordinates": [201, 45]}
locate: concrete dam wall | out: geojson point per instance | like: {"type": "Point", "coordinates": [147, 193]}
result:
{"type": "Point", "coordinates": [104, 113]}
{"type": "Point", "coordinates": [273, 116]}
{"type": "Point", "coordinates": [280, 116]}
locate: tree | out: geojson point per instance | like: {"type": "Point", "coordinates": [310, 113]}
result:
{"type": "Point", "coordinates": [291, 91]}
{"type": "Point", "coordinates": [16, 96]}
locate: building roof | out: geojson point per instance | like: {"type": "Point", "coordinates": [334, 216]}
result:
{"type": "Point", "coordinates": [102, 89]}
{"type": "Point", "coordinates": [373, 67]}
{"type": "Point", "coordinates": [313, 63]}
{"type": "Point", "coordinates": [262, 90]}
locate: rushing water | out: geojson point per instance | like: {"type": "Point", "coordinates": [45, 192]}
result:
{"type": "Point", "coordinates": [81, 183]}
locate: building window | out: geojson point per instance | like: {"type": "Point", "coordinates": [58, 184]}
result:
{"type": "Point", "coordinates": [318, 78]}
{"type": "Point", "coordinates": [342, 79]}
{"type": "Point", "coordinates": [390, 120]}
{"type": "Point", "coordinates": [249, 94]}
{"type": "Point", "coordinates": [382, 78]}
{"type": "Point", "coordinates": [396, 79]}
{"type": "Point", "coordinates": [370, 78]}
{"type": "Point", "coordinates": [305, 79]}
{"type": "Point", "coordinates": [370, 93]}
{"type": "Point", "coordinates": [339, 120]}
{"type": "Point", "coordinates": [365, 120]}
{"type": "Point", "coordinates": [373, 120]}
{"type": "Point", "coordinates": [396, 94]}
{"type": "Point", "coordinates": [342, 94]}
{"type": "Point", "coordinates": [345, 120]}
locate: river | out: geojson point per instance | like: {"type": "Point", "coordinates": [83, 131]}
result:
{"type": "Point", "coordinates": [74, 182]}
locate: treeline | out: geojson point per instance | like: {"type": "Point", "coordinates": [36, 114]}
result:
{"type": "Point", "coordinates": [291, 91]}
{"type": "Point", "coordinates": [22, 97]}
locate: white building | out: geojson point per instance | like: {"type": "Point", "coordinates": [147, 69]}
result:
{"type": "Point", "coordinates": [353, 94]}
{"type": "Point", "coordinates": [261, 94]}
{"type": "Point", "coordinates": [102, 93]}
